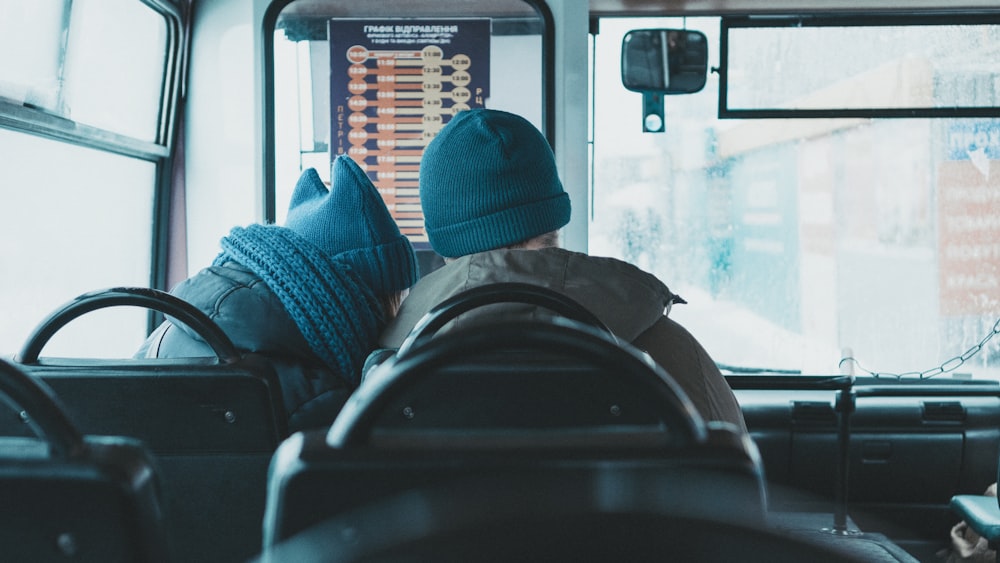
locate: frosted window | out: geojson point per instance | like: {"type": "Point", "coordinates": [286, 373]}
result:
{"type": "Point", "coordinates": [75, 220]}
{"type": "Point", "coordinates": [115, 66]}
{"type": "Point", "coordinates": [802, 243]}
{"type": "Point", "coordinates": [31, 29]}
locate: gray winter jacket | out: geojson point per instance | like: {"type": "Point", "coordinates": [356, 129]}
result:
{"type": "Point", "coordinates": [251, 315]}
{"type": "Point", "coordinates": [632, 303]}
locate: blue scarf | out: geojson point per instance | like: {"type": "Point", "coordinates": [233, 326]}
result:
{"type": "Point", "coordinates": [337, 313]}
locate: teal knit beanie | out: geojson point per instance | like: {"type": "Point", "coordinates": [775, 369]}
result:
{"type": "Point", "coordinates": [489, 180]}
{"type": "Point", "coordinates": [350, 222]}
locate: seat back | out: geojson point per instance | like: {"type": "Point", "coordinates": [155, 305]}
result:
{"type": "Point", "coordinates": [211, 423]}
{"type": "Point", "coordinates": [483, 297]}
{"type": "Point", "coordinates": [566, 372]}
{"type": "Point", "coordinates": [310, 481]}
{"type": "Point", "coordinates": [520, 375]}
{"type": "Point", "coordinates": [547, 399]}
{"type": "Point", "coordinates": [618, 514]}
{"type": "Point", "coordinates": [70, 497]}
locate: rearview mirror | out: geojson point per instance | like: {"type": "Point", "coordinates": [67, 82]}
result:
{"type": "Point", "coordinates": [666, 61]}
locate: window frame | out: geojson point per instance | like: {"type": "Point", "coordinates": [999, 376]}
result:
{"type": "Point", "coordinates": [43, 123]}
{"type": "Point", "coordinates": [268, 111]}
{"type": "Point", "coordinates": [162, 152]}
{"type": "Point", "coordinates": [845, 20]}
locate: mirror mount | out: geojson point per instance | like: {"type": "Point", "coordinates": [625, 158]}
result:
{"type": "Point", "coordinates": [662, 62]}
{"type": "Point", "coordinates": [652, 113]}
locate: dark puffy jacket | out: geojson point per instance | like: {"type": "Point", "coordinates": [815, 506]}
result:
{"type": "Point", "coordinates": [251, 315]}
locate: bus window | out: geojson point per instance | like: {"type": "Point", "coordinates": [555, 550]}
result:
{"type": "Point", "coordinates": [855, 245]}
{"type": "Point", "coordinates": [107, 72]}
{"type": "Point", "coordinates": [348, 79]}
{"type": "Point", "coordinates": [116, 54]}
{"type": "Point", "coordinates": [83, 133]}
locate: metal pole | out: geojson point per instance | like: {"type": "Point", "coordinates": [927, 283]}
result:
{"type": "Point", "coordinates": [845, 405]}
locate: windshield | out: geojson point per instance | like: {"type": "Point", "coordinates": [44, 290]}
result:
{"type": "Point", "coordinates": [821, 246]}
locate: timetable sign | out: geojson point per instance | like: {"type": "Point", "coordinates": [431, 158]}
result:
{"type": "Point", "coordinates": [393, 85]}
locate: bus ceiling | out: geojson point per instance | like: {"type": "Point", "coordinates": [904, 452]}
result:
{"type": "Point", "coordinates": [621, 8]}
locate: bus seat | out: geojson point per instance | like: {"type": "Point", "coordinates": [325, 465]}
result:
{"type": "Point", "coordinates": [982, 514]}
{"type": "Point", "coordinates": [71, 497]}
{"type": "Point", "coordinates": [522, 374]}
{"type": "Point", "coordinates": [550, 399]}
{"type": "Point", "coordinates": [502, 293]}
{"type": "Point", "coordinates": [211, 423]}
{"type": "Point", "coordinates": [617, 514]}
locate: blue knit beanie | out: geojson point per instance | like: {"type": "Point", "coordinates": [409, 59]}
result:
{"type": "Point", "coordinates": [489, 180]}
{"type": "Point", "coordinates": [351, 223]}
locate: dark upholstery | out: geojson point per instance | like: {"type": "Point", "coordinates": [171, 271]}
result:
{"type": "Point", "coordinates": [211, 424]}
{"type": "Point", "coordinates": [70, 497]}
{"type": "Point", "coordinates": [536, 401]}
{"type": "Point", "coordinates": [982, 513]}
{"type": "Point", "coordinates": [565, 516]}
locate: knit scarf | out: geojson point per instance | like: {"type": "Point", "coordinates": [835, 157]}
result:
{"type": "Point", "coordinates": [336, 311]}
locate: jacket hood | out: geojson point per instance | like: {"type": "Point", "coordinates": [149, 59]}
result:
{"type": "Point", "coordinates": [625, 298]}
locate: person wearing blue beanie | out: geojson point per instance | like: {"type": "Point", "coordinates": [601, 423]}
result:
{"type": "Point", "coordinates": [493, 205]}
{"type": "Point", "coordinates": [503, 188]}
{"type": "Point", "coordinates": [312, 296]}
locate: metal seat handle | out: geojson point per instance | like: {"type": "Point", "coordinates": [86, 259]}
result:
{"type": "Point", "coordinates": [41, 409]}
{"type": "Point", "coordinates": [146, 297]}
{"type": "Point", "coordinates": [497, 293]}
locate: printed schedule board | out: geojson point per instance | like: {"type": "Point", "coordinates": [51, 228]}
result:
{"type": "Point", "coordinates": [393, 85]}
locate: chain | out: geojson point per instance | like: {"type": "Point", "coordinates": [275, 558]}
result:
{"type": "Point", "coordinates": [945, 367]}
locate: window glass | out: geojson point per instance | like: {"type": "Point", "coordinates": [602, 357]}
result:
{"type": "Point", "coordinates": [812, 245]}
{"type": "Point", "coordinates": [916, 66]}
{"type": "Point", "coordinates": [32, 30]}
{"type": "Point", "coordinates": [115, 66]}
{"type": "Point", "coordinates": [75, 220]}
{"type": "Point", "coordinates": [327, 104]}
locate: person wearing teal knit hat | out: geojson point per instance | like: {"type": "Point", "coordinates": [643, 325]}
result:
{"type": "Point", "coordinates": [493, 205]}
{"type": "Point", "coordinates": [501, 188]}
{"type": "Point", "coordinates": [312, 295]}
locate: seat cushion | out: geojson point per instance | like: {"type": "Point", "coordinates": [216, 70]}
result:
{"type": "Point", "coordinates": [982, 513]}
